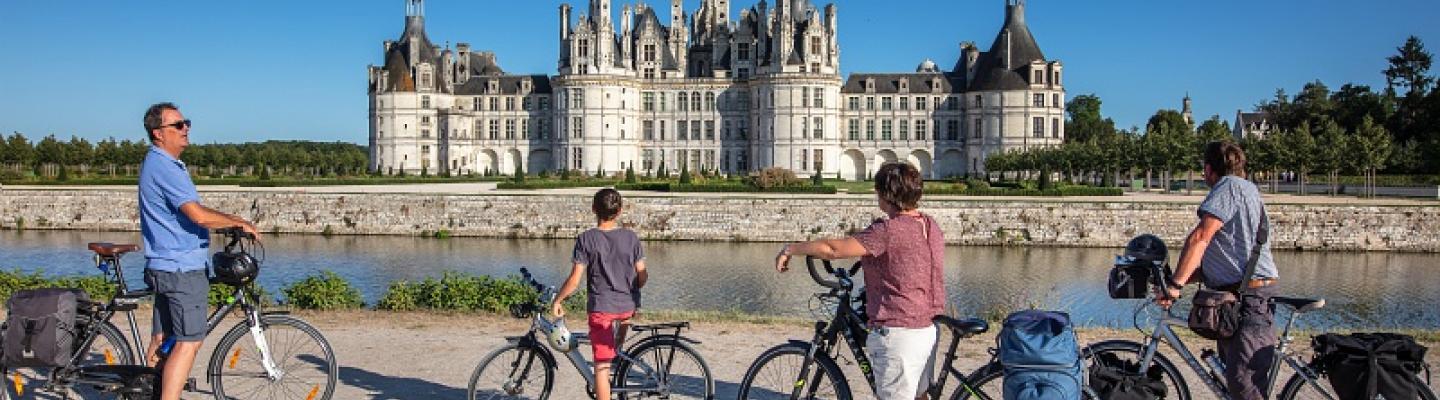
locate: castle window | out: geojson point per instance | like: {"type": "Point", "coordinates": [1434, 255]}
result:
{"type": "Point", "coordinates": [650, 53]}
{"type": "Point", "coordinates": [1055, 100]}
{"type": "Point", "coordinates": [578, 125]}
{"type": "Point", "coordinates": [870, 130]}
{"type": "Point", "coordinates": [819, 160]}
{"type": "Point", "coordinates": [709, 130]}
{"type": "Point", "coordinates": [494, 129]}
{"type": "Point", "coordinates": [954, 104]}
{"type": "Point", "coordinates": [854, 129]}
{"type": "Point", "coordinates": [1039, 100]}
{"type": "Point", "coordinates": [804, 127]}
{"type": "Point", "coordinates": [709, 101]}
{"type": "Point", "coordinates": [854, 103]}
{"type": "Point", "coordinates": [424, 101]}
{"type": "Point", "coordinates": [1057, 78]}
{"type": "Point", "coordinates": [819, 128]}
{"type": "Point", "coordinates": [952, 130]}
{"type": "Point", "coordinates": [577, 98]}
{"type": "Point", "coordinates": [584, 48]}
{"type": "Point", "coordinates": [886, 128]}
{"type": "Point", "coordinates": [648, 130]}
{"type": "Point", "coordinates": [684, 102]}
{"type": "Point", "coordinates": [904, 103]}
{"type": "Point", "coordinates": [1039, 78]}
{"type": "Point", "coordinates": [920, 103]}
{"type": "Point", "coordinates": [649, 73]}
{"type": "Point", "coordinates": [494, 104]}
{"type": "Point", "coordinates": [870, 103]}
{"type": "Point", "coordinates": [819, 100]}
{"type": "Point", "coordinates": [744, 51]}
{"type": "Point", "coordinates": [695, 101]}
{"type": "Point", "coordinates": [1038, 126]}
{"type": "Point", "coordinates": [920, 129]}
{"type": "Point", "coordinates": [904, 129]}
{"type": "Point", "coordinates": [425, 120]}
{"type": "Point", "coordinates": [544, 103]}
{"type": "Point", "coordinates": [648, 103]}
{"type": "Point", "coordinates": [805, 97]}
{"type": "Point", "coordinates": [1055, 128]}
{"type": "Point", "coordinates": [425, 133]}
{"type": "Point", "coordinates": [579, 161]}
{"type": "Point", "coordinates": [525, 103]}
{"type": "Point", "coordinates": [815, 45]}
{"type": "Point", "coordinates": [979, 128]}
{"type": "Point", "coordinates": [979, 101]}
{"type": "Point", "coordinates": [682, 130]}
{"type": "Point", "coordinates": [509, 129]}
{"type": "Point", "coordinates": [695, 130]}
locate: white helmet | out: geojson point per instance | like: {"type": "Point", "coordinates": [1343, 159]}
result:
{"type": "Point", "coordinates": [561, 339]}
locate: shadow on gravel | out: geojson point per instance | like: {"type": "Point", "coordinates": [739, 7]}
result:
{"type": "Point", "coordinates": [395, 388]}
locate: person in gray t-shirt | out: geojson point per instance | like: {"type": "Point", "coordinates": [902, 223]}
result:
{"type": "Point", "coordinates": [1219, 247]}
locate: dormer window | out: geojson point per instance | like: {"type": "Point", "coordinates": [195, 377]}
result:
{"type": "Point", "coordinates": [492, 87]}
{"type": "Point", "coordinates": [1039, 78]}
{"type": "Point", "coordinates": [904, 85]}
{"type": "Point", "coordinates": [649, 53]}
{"type": "Point", "coordinates": [744, 51]}
{"type": "Point", "coordinates": [935, 85]}
{"type": "Point", "coordinates": [870, 85]}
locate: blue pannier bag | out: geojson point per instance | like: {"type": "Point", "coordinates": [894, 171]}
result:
{"type": "Point", "coordinates": [1041, 357]}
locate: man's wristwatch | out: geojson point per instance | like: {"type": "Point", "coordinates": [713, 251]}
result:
{"type": "Point", "coordinates": [1170, 284]}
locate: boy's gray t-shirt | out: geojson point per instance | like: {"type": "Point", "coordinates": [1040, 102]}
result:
{"type": "Point", "coordinates": [609, 258]}
{"type": "Point", "coordinates": [1236, 203]}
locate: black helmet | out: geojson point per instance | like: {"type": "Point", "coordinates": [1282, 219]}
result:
{"type": "Point", "coordinates": [235, 269]}
{"type": "Point", "coordinates": [1147, 247]}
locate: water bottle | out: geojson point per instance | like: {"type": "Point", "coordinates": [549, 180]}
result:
{"type": "Point", "coordinates": [1217, 368]}
{"type": "Point", "coordinates": [166, 346]}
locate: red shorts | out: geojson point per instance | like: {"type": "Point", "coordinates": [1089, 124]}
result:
{"type": "Point", "coordinates": [602, 334]}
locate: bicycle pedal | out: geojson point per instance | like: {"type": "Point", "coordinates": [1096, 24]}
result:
{"type": "Point", "coordinates": [190, 385]}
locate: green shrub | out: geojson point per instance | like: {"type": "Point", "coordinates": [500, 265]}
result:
{"type": "Point", "coordinates": [326, 291]}
{"type": "Point", "coordinates": [459, 292]}
{"type": "Point", "coordinates": [94, 286]}
{"type": "Point", "coordinates": [560, 184]}
{"type": "Point", "coordinates": [220, 294]}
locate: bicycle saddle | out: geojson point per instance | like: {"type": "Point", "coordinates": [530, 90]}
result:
{"type": "Point", "coordinates": [964, 327]}
{"type": "Point", "coordinates": [111, 249]}
{"type": "Point", "coordinates": [1299, 304]}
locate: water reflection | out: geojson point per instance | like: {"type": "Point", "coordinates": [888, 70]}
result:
{"type": "Point", "coordinates": [1375, 290]}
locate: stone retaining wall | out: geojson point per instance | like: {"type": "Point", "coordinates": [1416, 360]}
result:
{"type": "Point", "coordinates": [965, 222]}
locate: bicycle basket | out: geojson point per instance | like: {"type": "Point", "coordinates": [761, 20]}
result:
{"type": "Point", "coordinates": [822, 306]}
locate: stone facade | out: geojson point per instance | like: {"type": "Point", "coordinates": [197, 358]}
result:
{"type": "Point", "coordinates": [706, 91]}
{"type": "Point", "coordinates": [760, 218]}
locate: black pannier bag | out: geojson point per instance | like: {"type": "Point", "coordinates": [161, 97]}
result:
{"type": "Point", "coordinates": [40, 330]}
{"type": "Point", "coordinates": [1114, 379]}
{"type": "Point", "coordinates": [1363, 365]}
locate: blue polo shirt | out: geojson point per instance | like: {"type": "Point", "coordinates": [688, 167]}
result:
{"type": "Point", "coordinates": [173, 243]}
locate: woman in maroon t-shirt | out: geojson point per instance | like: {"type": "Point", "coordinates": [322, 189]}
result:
{"type": "Point", "coordinates": [902, 256]}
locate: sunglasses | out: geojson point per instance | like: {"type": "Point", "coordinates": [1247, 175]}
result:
{"type": "Point", "coordinates": [178, 125]}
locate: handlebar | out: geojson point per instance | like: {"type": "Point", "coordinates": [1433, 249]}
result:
{"type": "Point", "coordinates": [234, 233]}
{"type": "Point", "coordinates": [843, 275]}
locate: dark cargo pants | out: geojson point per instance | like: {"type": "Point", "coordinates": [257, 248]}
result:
{"type": "Point", "coordinates": [1249, 354]}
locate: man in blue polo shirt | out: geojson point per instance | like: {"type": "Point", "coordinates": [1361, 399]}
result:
{"type": "Point", "coordinates": [176, 232]}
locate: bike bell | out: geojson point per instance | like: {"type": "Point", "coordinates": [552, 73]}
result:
{"type": "Point", "coordinates": [561, 339]}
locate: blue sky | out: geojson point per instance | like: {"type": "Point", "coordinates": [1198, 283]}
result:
{"type": "Point", "coordinates": [265, 69]}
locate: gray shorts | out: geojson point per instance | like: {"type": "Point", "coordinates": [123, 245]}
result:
{"type": "Point", "coordinates": [181, 301]}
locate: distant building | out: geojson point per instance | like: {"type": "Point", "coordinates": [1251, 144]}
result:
{"type": "Point", "coordinates": [1256, 124]}
{"type": "Point", "coordinates": [708, 92]}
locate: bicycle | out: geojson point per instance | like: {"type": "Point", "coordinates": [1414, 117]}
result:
{"type": "Point", "coordinates": [646, 368]}
{"type": "Point", "coordinates": [115, 369]}
{"type": "Point", "coordinates": [784, 371]}
{"type": "Point", "coordinates": [1307, 382]}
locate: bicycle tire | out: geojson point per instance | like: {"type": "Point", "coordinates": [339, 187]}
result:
{"type": "Point", "coordinates": [123, 354]}
{"type": "Point", "coordinates": [228, 357]}
{"type": "Point", "coordinates": [706, 383]}
{"type": "Point", "coordinates": [1132, 351]}
{"type": "Point", "coordinates": [986, 383]}
{"type": "Point", "coordinates": [525, 353]}
{"type": "Point", "coordinates": [779, 382]}
{"type": "Point", "coordinates": [1296, 388]}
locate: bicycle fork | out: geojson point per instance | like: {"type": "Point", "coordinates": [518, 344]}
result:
{"type": "Point", "coordinates": [267, 360]}
{"type": "Point", "coordinates": [817, 344]}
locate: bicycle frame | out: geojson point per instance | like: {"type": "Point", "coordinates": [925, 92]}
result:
{"type": "Point", "coordinates": [1164, 332]}
{"type": "Point", "coordinates": [847, 324]}
{"type": "Point", "coordinates": [544, 327]}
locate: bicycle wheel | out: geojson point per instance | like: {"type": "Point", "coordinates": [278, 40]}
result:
{"type": "Point", "coordinates": [676, 365]}
{"type": "Point", "coordinates": [513, 372]}
{"type": "Point", "coordinates": [986, 383]}
{"type": "Point", "coordinates": [1299, 388]}
{"type": "Point", "coordinates": [777, 372]}
{"type": "Point", "coordinates": [303, 360]}
{"type": "Point", "coordinates": [108, 348]}
{"type": "Point", "coordinates": [1131, 353]}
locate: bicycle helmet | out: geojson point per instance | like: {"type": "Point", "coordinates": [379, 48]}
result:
{"type": "Point", "coordinates": [235, 269]}
{"type": "Point", "coordinates": [561, 339]}
{"type": "Point", "coordinates": [1147, 247]}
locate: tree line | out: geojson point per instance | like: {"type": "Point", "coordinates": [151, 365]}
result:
{"type": "Point", "coordinates": [1356, 129]}
{"type": "Point", "coordinates": [52, 157]}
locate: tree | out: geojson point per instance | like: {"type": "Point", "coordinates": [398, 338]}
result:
{"type": "Point", "coordinates": [1330, 157]}
{"type": "Point", "coordinates": [630, 174]}
{"type": "Point", "coordinates": [1299, 152]}
{"type": "Point", "coordinates": [1084, 122]}
{"type": "Point", "coordinates": [816, 179]}
{"type": "Point", "coordinates": [18, 150]}
{"type": "Point", "coordinates": [519, 175]}
{"type": "Point", "coordinates": [662, 172]}
{"type": "Point", "coordinates": [1371, 150]}
{"type": "Point", "coordinates": [684, 174]}
{"type": "Point", "coordinates": [1407, 77]}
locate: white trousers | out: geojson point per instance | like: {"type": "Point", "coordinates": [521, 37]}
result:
{"type": "Point", "coordinates": [903, 360]}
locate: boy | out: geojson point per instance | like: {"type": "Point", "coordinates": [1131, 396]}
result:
{"type": "Point", "coordinates": [612, 261]}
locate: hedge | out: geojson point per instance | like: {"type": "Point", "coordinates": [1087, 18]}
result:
{"type": "Point", "coordinates": [724, 188]}
{"type": "Point", "coordinates": [533, 185]}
